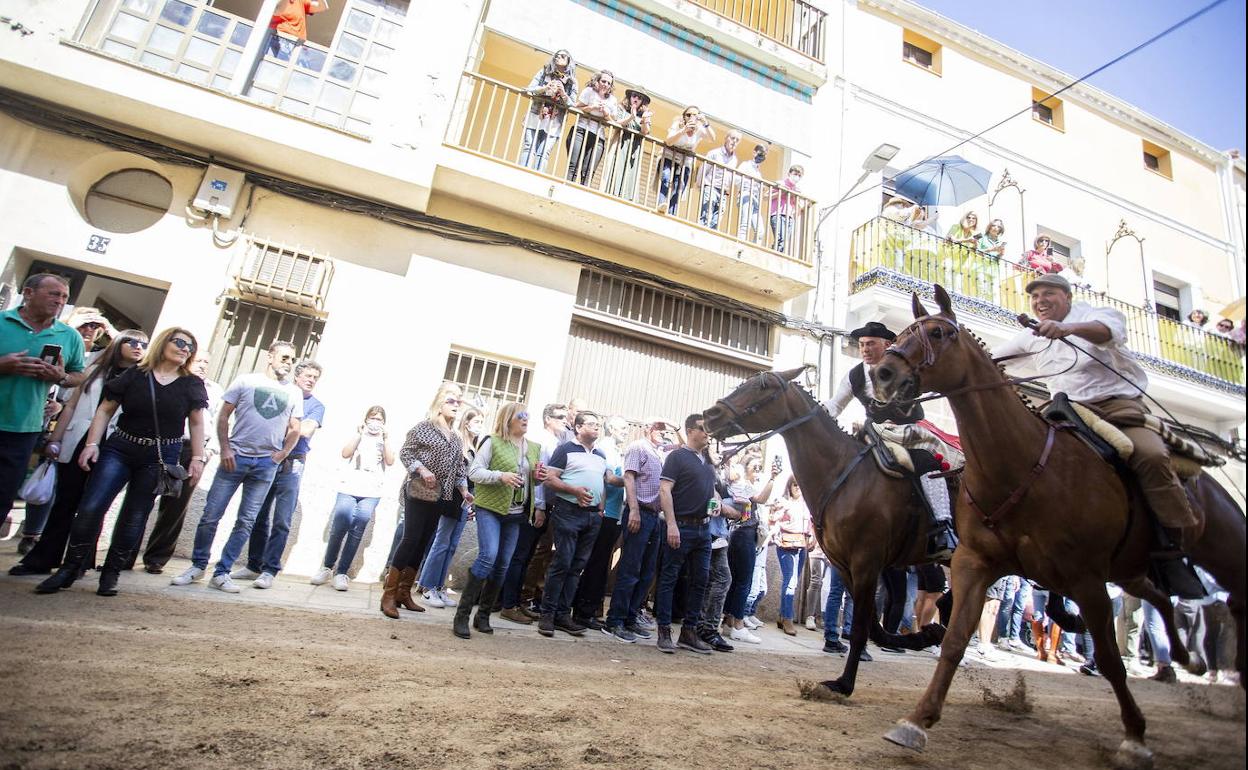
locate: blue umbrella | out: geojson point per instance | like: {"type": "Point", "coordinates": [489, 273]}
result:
{"type": "Point", "coordinates": [945, 181]}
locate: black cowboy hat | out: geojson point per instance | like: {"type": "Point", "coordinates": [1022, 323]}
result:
{"type": "Point", "coordinates": [631, 92]}
{"type": "Point", "coordinates": [873, 329]}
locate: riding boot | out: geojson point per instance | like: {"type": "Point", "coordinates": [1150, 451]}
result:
{"type": "Point", "coordinates": [114, 563]}
{"type": "Point", "coordinates": [467, 598]}
{"type": "Point", "coordinates": [389, 590]}
{"type": "Point", "coordinates": [1055, 641]}
{"type": "Point", "coordinates": [1037, 636]}
{"type": "Point", "coordinates": [75, 556]}
{"type": "Point", "coordinates": [942, 539]}
{"type": "Point", "coordinates": [407, 579]}
{"type": "Point", "coordinates": [489, 594]}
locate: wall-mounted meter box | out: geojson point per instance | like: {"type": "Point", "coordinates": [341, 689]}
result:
{"type": "Point", "coordinates": [218, 192]}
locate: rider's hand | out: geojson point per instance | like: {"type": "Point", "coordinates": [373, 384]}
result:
{"type": "Point", "coordinates": [1054, 330]}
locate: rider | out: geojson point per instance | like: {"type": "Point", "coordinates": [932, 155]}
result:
{"type": "Point", "coordinates": [1101, 331]}
{"type": "Point", "coordinates": [873, 339]}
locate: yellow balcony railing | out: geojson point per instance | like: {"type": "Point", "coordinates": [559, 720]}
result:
{"type": "Point", "coordinates": [997, 286]}
{"type": "Point", "coordinates": [791, 23]}
{"type": "Point", "coordinates": [506, 124]}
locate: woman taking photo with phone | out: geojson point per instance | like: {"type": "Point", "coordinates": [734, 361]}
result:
{"type": "Point", "coordinates": [436, 484]}
{"type": "Point", "coordinates": [157, 398]}
{"type": "Point", "coordinates": [368, 454]}
{"type": "Point", "coordinates": [65, 445]}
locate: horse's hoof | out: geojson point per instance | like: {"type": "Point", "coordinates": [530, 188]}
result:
{"type": "Point", "coordinates": [908, 735]}
{"type": "Point", "coordinates": [1133, 755]}
{"type": "Point", "coordinates": [821, 691]}
{"type": "Point", "coordinates": [835, 686]}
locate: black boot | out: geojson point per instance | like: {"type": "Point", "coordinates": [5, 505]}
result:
{"type": "Point", "coordinates": [75, 556]}
{"type": "Point", "coordinates": [942, 542]}
{"type": "Point", "coordinates": [489, 594]}
{"type": "Point", "coordinates": [114, 563]}
{"type": "Point", "coordinates": [467, 598]}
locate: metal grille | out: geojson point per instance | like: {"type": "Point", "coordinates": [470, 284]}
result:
{"type": "Point", "coordinates": [670, 312]}
{"type": "Point", "coordinates": [245, 331]}
{"type": "Point", "coordinates": [277, 273]}
{"type": "Point", "coordinates": [488, 382]}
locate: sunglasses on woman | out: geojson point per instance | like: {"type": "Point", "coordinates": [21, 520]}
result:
{"type": "Point", "coordinates": [182, 344]}
{"type": "Point", "coordinates": [140, 344]}
{"type": "Point", "coordinates": [452, 402]}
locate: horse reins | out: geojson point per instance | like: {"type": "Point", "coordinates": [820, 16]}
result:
{"type": "Point", "coordinates": [736, 417]}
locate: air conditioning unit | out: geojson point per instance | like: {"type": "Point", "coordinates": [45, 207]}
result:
{"type": "Point", "coordinates": [218, 192]}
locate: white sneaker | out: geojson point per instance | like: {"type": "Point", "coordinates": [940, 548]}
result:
{"type": "Point", "coordinates": [265, 580]}
{"type": "Point", "coordinates": [447, 601]}
{"type": "Point", "coordinates": [224, 583]}
{"type": "Point", "coordinates": [186, 578]}
{"type": "Point", "coordinates": [744, 635]}
{"type": "Point", "coordinates": [810, 623]}
{"type": "Point", "coordinates": [752, 622]}
{"type": "Point", "coordinates": [341, 582]}
{"type": "Point", "coordinates": [322, 576]}
{"type": "Point", "coordinates": [242, 573]}
{"type": "Point", "coordinates": [1016, 644]}
{"type": "Point", "coordinates": [432, 599]}
{"type": "Point", "coordinates": [987, 652]}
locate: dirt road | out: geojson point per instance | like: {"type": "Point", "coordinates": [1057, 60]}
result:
{"type": "Point", "coordinates": [150, 680]}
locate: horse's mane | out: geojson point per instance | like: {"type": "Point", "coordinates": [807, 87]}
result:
{"type": "Point", "coordinates": [826, 420]}
{"type": "Point", "coordinates": [986, 353]}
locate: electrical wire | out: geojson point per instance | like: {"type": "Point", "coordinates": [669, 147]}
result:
{"type": "Point", "coordinates": [1167, 31]}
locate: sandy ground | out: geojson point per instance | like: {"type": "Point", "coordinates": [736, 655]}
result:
{"type": "Point", "coordinates": [191, 678]}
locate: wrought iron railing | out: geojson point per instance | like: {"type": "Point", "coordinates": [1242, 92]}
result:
{"type": "Point", "coordinates": [791, 23]}
{"type": "Point", "coordinates": [996, 286]}
{"type": "Point", "coordinates": [505, 123]}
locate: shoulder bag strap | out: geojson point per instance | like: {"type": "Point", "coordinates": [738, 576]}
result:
{"type": "Point", "coordinates": [151, 385]}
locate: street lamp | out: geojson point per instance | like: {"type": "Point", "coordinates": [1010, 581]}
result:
{"type": "Point", "coordinates": [876, 161]}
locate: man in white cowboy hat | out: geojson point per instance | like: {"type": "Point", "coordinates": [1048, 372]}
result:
{"type": "Point", "coordinates": [873, 339]}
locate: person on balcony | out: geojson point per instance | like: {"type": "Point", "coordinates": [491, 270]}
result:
{"type": "Point", "coordinates": [1040, 258]}
{"type": "Point", "coordinates": [716, 178]}
{"type": "Point", "coordinates": [634, 117]}
{"type": "Point", "coordinates": [1226, 327]}
{"type": "Point", "coordinates": [751, 194]}
{"type": "Point", "coordinates": [963, 233]}
{"type": "Point", "coordinates": [1197, 318]}
{"type": "Point", "coordinates": [683, 137]}
{"type": "Point", "coordinates": [599, 108]}
{"type": "Point", "coordinates": [292, 20]}
{"type": "Point", "coordinates": [550, 94]}
{"type": "Point", "coordinates": [783, 207]}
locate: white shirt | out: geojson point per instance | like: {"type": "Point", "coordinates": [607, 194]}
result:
{"type": "Point", "coordinates": [845, 392]}
{"type": "Point", "coordinates": [1086, 380]}
{"type": "Point", "coordinates": [714, 175]}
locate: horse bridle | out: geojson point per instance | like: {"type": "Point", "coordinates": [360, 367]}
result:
{"type": "Point", "coordinates": [735, 415]}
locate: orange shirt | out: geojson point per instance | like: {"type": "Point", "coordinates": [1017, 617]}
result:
{"type": "Point", "coordinates": [293, 18]}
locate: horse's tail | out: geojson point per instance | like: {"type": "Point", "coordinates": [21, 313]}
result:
{"type": "Point", "coordinates": [927, 636]}
{"type": "Point", "coordinates": [1056, 610]}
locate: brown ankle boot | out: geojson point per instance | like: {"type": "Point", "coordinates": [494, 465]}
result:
{"type": "Point", "coordinates": [407, 579]}
{"type": "Point", "coordinates": [1055, 641]}
{"type": "Point", "coordinates": [786, 626]}
{"type": "Point", "coordinates": [1037, 636]}
{"type": "Point", "coordinates": [389, 589]}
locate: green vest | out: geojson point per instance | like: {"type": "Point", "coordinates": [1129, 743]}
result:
{"type": "Point", "coordinates": [505, 458]}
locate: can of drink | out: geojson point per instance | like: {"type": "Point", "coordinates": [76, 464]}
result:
{"type": "Point", "coordinates": [747, 510]}
{"type": "Point", "coordinates": [712, 507]}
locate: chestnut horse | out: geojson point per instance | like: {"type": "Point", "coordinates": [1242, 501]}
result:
{"type": "Point", "coordinates": [865, 520]}
{"type": "Point", "coordinates": [1067, 521]}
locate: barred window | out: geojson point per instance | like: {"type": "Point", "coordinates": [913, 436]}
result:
{"type": "Point", "coordinates": [488, 381]}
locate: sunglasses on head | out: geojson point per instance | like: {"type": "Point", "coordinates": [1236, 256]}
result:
{"type": "Point", "coordinates": [132, 342]}
{"type": "Point", "coordinates": [182, 344]}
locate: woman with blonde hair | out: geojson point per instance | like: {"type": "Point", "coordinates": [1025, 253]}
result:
{"type": "Point", "coordinates": [793, 536]}
{"type": "Point", "coordinates": [156, 398]}
{"type": "Point", "coordinates": [436, 485]}
{"type": "Point", "coordinates": [450, 528]}
{"type": "Point", "coordinates": [504, 471]}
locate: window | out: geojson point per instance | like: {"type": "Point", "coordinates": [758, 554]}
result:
{"type": "Point", "coordinates": [245, 331]}
{"type": "Point", "coordinates": [1169, 304]}
{"type": "Point", "coordinates": [128, 201]}
{"type": "Point", "coordinates": [921, 51]}
{"type": "Point", "coordinates": [1157, 160]}
{"type": "Point", "coordinates": [488, 381]}
{"type": "Point", "coordinates": [1048, 110]}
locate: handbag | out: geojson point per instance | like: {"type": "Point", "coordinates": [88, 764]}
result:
{"type": "Point", "coordinates": [40, 485]}
{"type": "Point", "coordinates": [169, 478]}
{"type": "Point", "coordinates": [416, 489]}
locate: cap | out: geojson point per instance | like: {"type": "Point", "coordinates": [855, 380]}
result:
{"type": "Point", "coordinates": [631, 92]}
{"type": "Point", "coordinates": [1048, 279]}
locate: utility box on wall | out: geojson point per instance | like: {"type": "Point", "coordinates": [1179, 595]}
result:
{"type": "Point", "coordinates": [218, 192]}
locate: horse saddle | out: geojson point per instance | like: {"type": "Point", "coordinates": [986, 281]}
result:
{"type": "Point", "coordinates": [892, 458]}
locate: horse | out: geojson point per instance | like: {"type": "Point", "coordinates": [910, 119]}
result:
{"type": "Point", "coordinates": [1068, 520]}
{"type": "Point", "coordinates": [865, 520]}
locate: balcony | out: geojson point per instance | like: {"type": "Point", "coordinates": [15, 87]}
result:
{"type": "Point", "coordinates": [887, 253]}
{"type": "Point", "coordinates": [730, 226]}
{"type": "Point", "coordinates": [793, 24]}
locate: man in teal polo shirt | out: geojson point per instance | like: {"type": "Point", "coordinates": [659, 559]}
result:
{"type": "Point", "coordinates": [25, 378]}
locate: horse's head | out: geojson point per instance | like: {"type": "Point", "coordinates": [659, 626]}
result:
{"type": "Point", "coordinates": [930, 347]}
{"type": "Point", "coordinates": [758, 404]}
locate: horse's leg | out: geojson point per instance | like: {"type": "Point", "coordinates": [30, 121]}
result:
{"type": "Point", "coordinates": [1096, 610]}
{"type": "Point", "coordinates": [862, 589]}
{"type": "Point", "coordinates": [971, 578]}
{"type": "Point", "coordinates": [1143, 588]}
{"type": "Point", "coordinates": [1220, 550]}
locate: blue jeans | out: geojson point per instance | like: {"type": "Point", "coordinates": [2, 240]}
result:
{"type": "Point", "coordinates": [695, 546]}
{"type": "Point", "coordinates": [573, 531]}
{"type": "Point", "coordinates": [1155, 627]}
{"type": "Point", "coordinates": [255, 476]}
{"type": "Point", "coordinates": [634, 570]}
{"type": "Point", "coordinates": [758, 581]}
{"type": "Point", "coordinates": [121, 463]}
{"type": "Point", "coordinates": [15, 452]}
{"type": "Point", "coordinates": [672, 182]}
{"type": "Point", "coordinates": [496, 542]}
{"type": "Point", "coordinates": [272, 528]}
{"type": "Point", "coordinates": [535, 148]}
{"type": "Point", "coordinates": [442, 549]}
{"type": "Point", "coordinates": [349, 519]}
{"type": "Point", "coordinates": [712, 198]}
{"type": "Point", "coordinates": [836, 591]}
{"type": "Point", "coordinates": [741, 556]}
{"type": "Point", "coordinates": [792, 562]}
{"type": "Point", "coordinates": [1010, 621]}
{"type": "Point", "coordinates": [782, 228]}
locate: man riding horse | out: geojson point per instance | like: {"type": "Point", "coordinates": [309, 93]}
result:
{"type": "Point", "coordinates": [873, 339]}
{"type": "Point", "coordinates": [1102, 332]}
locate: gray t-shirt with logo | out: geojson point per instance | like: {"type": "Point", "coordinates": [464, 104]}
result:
{"type": "Point", "coordinates": [262, 411]}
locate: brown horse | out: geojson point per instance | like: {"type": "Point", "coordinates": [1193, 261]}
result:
{"type": "Point", "coordinates": [865, 520]}
{"type": "Point", "coordinates": [1067, 521]}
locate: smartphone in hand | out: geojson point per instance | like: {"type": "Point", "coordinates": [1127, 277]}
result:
{"type": "Point", "coordinates": [51, 354]}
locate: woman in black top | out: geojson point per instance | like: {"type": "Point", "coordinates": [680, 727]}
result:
{"type": "Point", "coordinates": [160, 387]}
